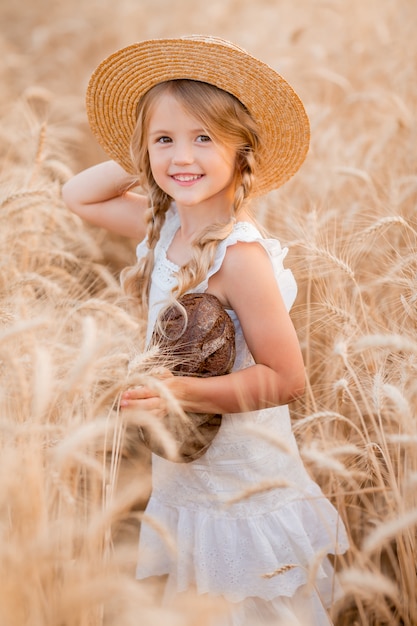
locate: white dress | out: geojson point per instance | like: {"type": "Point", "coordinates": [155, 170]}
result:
{"type": "Point", "coordinates": [225, 548]}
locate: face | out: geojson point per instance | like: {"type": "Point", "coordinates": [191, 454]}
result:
{"type": "Point", "coordinates": [190, 167]}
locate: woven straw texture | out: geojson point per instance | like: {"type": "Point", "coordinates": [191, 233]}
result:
{"type": "Point", "coordinates": [122, 78]}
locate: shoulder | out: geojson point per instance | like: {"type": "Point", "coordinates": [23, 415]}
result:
{"type": "Point", "coordinates": [258, 255]}
{"type": "Point", "coordinates": [242, 239]}
{"type": "Point", "coordinates": [244, 249]}
{"type": "Point", "coordinates": [245, 273]}
{"type": "Point", "coordinates": [244, 256]}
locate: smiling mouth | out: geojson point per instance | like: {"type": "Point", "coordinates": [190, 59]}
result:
{"type": "Point", "coordinates": [186, 178]}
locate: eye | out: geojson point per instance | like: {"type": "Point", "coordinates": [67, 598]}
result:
{"type": "Point", "coordinates": [163, 139]}
{"type": "Point", "coordinates": [203, 138]}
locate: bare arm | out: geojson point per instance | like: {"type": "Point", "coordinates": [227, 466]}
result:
{"type": "Point", "coordinates": [247, 284]}
{"type": "Point", "coordinates": [98, 195]}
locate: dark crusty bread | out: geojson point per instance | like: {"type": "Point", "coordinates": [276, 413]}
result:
{"type": "Point", "coordinates": [206, 345]}
{"type": "Point", "coordinates": [196, 338]}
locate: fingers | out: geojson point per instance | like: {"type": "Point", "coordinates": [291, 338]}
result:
{"type": "Point", "coordinates": [147, 398]}
{"type": "Point", "coordinates": [143, 399]}
{"type": "Point", "coordinates": [137, 393]}
{"type": "Point", "coordinates": [153, 405]}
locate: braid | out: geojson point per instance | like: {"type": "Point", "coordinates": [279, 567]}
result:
{"type": "Point", "coordinates": [136, 279]}
{"type": "Point", "coordinates": [247, 167]}
{"type": "Point", "coordinates": [203, 254]}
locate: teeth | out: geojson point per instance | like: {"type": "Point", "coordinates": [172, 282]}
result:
{"type": "Point", "coordinates": [185, 178]}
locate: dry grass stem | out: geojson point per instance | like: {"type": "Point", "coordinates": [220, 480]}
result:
{"type": "Point", "coordinates": [391, 529]}
{"type": "Point", "coordinates": [260, 488]}
{"type": "Point", "coordinates": [280, 570]}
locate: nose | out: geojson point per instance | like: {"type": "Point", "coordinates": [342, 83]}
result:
{"type": "Point", "coordinates": [183, 153]}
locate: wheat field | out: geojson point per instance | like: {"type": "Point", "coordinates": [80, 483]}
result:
{"type": "Point", "coordinates": [73, 478]}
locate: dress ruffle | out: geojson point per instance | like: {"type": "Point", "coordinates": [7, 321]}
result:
{"type": "Point", "coordinates": [234, 556]}
{"type": "Point", "coordinates": [304, 608]}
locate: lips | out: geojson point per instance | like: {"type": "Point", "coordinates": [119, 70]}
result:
{"type": "Point", "coordinates": [186, 178]}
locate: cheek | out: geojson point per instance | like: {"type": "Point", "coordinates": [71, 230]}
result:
{"type": "Point", "coordinates": [231, 167]}
{"type": "Point", "coordinates": [230, 160]}
{"type": "Point", "coordinates": [158, 170]}
{"type": "Point", "coordinates": [151, 156]}
{"type": "Point", "coordinates": [154, 161]}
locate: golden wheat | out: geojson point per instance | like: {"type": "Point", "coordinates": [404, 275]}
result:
{"type": "Point", "coordinates": [74, 478]}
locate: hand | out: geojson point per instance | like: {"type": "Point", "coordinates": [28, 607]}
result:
{"type": "Point", "coordinates": [148, 397]}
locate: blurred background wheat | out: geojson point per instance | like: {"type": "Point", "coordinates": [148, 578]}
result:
{"type": "Point", "coordinates": [73, 479]}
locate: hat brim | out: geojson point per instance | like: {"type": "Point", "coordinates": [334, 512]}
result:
{"type": "Point", "coordinates": [119, 82]}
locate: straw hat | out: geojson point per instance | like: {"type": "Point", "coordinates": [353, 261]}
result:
{"type": "Point", "coordinates": [121, 79]}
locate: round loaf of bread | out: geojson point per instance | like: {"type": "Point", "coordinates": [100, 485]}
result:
{"type": "Point", "coordinates": [198, 337]}
{"type": "Point", "coordinates": [195, 337]}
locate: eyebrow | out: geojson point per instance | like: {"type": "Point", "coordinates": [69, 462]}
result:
{"type": "Point", "coordinates": [160, 132]}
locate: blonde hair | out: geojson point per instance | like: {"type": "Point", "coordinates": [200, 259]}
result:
{"type": "Point", "coordinates": [226, 121]}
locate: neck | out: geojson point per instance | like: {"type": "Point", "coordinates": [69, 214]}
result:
{"type": "Point", "coordinates": [194, 220]}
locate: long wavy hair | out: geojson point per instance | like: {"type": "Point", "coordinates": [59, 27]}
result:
{"type": "Point", "coordinates": [227, 122]}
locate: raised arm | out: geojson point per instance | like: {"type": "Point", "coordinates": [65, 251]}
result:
{"type": "Point", "coordinates": [98, 195]}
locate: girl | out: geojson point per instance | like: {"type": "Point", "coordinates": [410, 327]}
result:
{"type": "Point", "coordinates": [202, 126]}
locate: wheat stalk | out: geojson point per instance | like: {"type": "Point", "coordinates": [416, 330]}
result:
{"type": "Point", "coordinates": [348, 219]}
